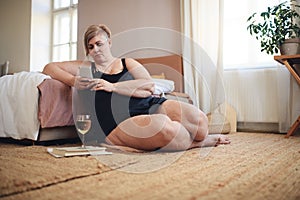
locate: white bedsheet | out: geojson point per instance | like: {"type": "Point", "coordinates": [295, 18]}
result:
{"type": "Point", "coordinates": [19, 105]}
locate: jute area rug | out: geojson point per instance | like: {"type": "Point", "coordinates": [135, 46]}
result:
{"type": "Point", "coordinates": [253, 166]}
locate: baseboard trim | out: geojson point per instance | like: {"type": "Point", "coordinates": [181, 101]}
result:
{"type": "Point", "coordinates": [268, 127]}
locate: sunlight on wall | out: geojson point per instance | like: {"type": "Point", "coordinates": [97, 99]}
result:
{"type": "Point", "coordinates": [40, 34]}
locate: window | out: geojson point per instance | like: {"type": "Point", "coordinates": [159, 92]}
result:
{"type": "Point", "coordinates": [241, 50]}
{"type": "Point", "coordinates": [64, 38]}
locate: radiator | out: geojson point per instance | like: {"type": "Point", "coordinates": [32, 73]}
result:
{"type": "Point", "coordinates": [265, 99]}
{"type": "Point", "coordinates": [254, 95]}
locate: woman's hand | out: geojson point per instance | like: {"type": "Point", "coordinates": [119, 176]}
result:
{"type": "Point", "coordinates": [81, 83]}
{"type": "Point", "coordinates": [101, 84]}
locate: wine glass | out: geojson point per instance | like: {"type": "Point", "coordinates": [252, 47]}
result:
{"type": "Point", "coordinates": [83, 125]}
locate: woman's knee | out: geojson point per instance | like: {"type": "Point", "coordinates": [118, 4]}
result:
{"type": "Point", "coordinates": [173, 131]}
{"type": "Point", "coordinates": [203, 118]}
{"type": "Point", "coordinates": [175, 137]}
{"type": "Point", "coordinates": [200, 123]}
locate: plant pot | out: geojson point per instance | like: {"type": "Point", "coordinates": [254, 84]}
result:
{"type": "Point", "coordinates": [290, 47]}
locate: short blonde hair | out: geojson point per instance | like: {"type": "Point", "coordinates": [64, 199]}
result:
{"type": "Point", "coordinates": [92, 31]}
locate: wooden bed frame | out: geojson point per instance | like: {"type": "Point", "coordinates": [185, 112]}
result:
{"type": "Point", "coordinates": [171, 68]}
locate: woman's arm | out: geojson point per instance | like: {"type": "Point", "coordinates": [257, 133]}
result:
{"type": "Point", "coordinates": [63, 71]}
{"type": "Point", "coordinates": [135, 88]}
{"type": "Point", "coordinates": [141, 86]}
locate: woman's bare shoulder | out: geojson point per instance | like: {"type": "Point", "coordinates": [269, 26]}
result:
{"type": "Point", "coordinates": [137, 69]}
{"type": "Point", "coordinates": [132, 63]}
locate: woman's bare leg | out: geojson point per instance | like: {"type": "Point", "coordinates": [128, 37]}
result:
{"type": "Point", "coordinates": [151, 132]}
{"type": "Point", "coordinates": [192, 118]}
{"type": "Point", "coordinates": [158, 131]}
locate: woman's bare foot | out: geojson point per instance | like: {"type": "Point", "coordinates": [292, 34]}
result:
{"type": "Point", "coordinates": [212, 140]}
{"type": "Point", "coordinates": [215, 140]}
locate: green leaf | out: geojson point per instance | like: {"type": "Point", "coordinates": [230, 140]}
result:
{"type": "Point", "coordinates": [251, 17]}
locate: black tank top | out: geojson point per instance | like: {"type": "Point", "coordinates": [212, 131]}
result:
{"type": "Point", "coordinates": [112, 108]}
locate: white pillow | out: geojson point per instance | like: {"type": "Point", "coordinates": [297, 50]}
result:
{"type": "Point", "coordinates": [163, 86]}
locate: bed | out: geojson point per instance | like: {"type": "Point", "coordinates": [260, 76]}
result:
{"type": "Point", "coordinates": [35, 107]}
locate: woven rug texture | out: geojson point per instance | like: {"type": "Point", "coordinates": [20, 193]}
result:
{"type": "Point", "coordinates": [253, 166]}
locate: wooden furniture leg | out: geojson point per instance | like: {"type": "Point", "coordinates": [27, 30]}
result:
{"type": "Point", "coordinates": [293, 128]}
{"type": "Point", "coordinates": [292, 71]}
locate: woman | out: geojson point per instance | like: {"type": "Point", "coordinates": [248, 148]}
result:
{"type": "Point", "coordinates": [142, 121]}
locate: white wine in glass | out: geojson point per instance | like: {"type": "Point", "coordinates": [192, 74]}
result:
{"type": "Point", "coordinates": [83, 125]}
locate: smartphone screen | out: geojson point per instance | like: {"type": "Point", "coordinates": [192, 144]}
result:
{"type": "Point", "coordinates": [85, 72]}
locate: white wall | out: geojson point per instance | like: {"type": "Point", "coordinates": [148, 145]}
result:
{"type": "Point", "coordinates": [127, 18]}
{"type": "Point", "coordinates": [15, 18]}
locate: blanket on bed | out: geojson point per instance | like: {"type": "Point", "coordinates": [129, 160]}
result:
{"type": "Point", "coordinates": [19, 105]}
{"type": "Point", "coordinates": [55, 105]}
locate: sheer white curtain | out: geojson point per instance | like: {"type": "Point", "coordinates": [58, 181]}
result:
{"type": "Point", "coordinates": [202, 28]}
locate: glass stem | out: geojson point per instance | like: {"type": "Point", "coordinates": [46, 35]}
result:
{"type": "Point", "coordinates": [83, 146]}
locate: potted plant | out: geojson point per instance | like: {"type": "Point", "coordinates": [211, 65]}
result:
{"type": "Point", "coordinates": [277, 28]}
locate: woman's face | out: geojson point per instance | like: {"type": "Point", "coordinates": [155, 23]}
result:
{"type": "Point", "coordinates": [99, 47]}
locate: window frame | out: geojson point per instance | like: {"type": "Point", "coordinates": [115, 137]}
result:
{"type": "Point", "coordinates": [69, 10]}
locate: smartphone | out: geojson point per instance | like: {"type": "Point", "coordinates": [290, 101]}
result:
{"type": "Point", "coordinates": [85, 72]}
